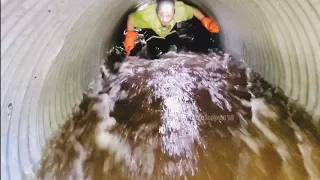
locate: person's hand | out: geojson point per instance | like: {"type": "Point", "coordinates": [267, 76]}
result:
{"type": "Point", "coordinates": [129, 42]}
{"type": "Point", "coordinates": [210, 25]}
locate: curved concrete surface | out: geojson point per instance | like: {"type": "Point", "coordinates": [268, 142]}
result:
{"type": "Point", "coordinates": [52, 50]}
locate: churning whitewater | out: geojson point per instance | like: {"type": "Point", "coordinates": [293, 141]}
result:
{"type": "Point", "coordinates": [184, 116]}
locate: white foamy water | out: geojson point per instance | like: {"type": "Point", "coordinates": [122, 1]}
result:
{"type": "Point", "coordinates": [185, 115]}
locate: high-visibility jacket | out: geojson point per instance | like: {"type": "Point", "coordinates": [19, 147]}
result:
{"type": "Point", "coordinates": [148, 18]}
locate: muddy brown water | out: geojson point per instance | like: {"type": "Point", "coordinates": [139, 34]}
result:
{"type": "Point", "coordinates": [185, 116]}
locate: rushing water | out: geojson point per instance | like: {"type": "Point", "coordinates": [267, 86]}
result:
{"type": "Point", "coordinates": [184, 116]}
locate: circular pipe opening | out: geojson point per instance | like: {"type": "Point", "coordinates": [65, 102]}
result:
{"type": "Point", "coordinates": [120, 27]}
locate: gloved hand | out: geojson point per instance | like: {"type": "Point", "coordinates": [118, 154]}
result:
{"type": "Point", "coordinates": [129, 42]}
{"type": "Point", "coordinates": [210, 25]}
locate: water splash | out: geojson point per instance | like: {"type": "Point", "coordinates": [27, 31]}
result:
{"type": "Point", "coordinates": [185, 115]}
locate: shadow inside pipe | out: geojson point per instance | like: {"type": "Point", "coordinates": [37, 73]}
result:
{"type": "Point", "coordinates": [192, 34]}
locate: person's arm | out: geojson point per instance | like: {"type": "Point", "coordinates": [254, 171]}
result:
{"type": "Point", "coordinates": [130, 26]}
{"type": "Point", "coordinates": [207, 22]}
{"type": "Point", "coordinates": [131, 36]}
{"type": "Point", "coordinates": [198, 14]}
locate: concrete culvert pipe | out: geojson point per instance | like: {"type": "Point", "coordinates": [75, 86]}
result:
{"type": "Point", "coordinates": [52, 50]}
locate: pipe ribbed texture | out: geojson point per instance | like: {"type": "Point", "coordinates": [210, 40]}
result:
{"type": "Point", "coordinates": [52, 50]}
